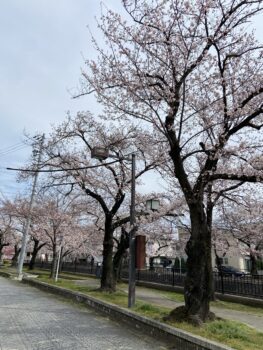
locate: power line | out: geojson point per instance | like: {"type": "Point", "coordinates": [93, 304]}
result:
{"type": "Point", "coordinates": [66, 169]}
{"type": "Point", "coordinates": [10, 187]}
{"type": "Point", "coordinates": [14, 192]}
{"type": "Point", "coordinates": [11, 150]}
{"type": "Point", "coordinates": [14, 151]}
{"type": "Point", "coordinates": [8, 147]}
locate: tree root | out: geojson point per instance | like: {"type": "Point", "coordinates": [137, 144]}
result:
{"type": "Point", "coordinates": [106, 290]}
{"type": "Point", "coordinates": [180, 314]}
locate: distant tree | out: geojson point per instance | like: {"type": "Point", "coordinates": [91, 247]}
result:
{"type": "Point", "coordinates": [161, 235]}
{"type": "Point", "coordinates": [105, 182]}
{"type": "Point", "coordinates": [19, 207]}
{"type": "Point", "coordinates": [244, 221]}
{"type": "Point", "coordinates": [57, 224]}
{"type": "Point", "coordinates": [5, 232]}
{"type": "Point", "coordinates": [11, 228]}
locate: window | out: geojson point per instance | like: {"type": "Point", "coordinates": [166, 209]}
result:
{"type": "Point", "coordinates": [223, 261]}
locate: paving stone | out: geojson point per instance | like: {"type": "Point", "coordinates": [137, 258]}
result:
{"type": "Point", "coordinates": [34, 320]}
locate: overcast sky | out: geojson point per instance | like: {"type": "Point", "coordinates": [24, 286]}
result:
{"type": "Point", "coordinates": [43, 43]}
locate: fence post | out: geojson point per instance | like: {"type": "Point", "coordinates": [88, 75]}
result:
{"type": "Point", "coordinates": [75, 267]}
{"type": "Point", "coordinates": [173, 276]}
{"type": "Point", "coordinates": [222, 283]}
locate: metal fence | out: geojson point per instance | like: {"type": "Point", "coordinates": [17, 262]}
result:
{"type": "Point", "coordinates": [247, 285]}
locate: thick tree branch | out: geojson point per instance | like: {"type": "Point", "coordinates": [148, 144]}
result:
{"type": "Point", "coordinates": [236, 177]}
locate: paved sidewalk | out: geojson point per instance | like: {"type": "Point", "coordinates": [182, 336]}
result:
{"type": "Point", "coordinates": [31, 319]}
{"type": "Point", "coordinates": [156, 297]}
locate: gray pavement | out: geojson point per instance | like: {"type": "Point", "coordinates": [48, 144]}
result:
{"type": "Point", "coordinates": [155, 297]}
{"type": "Point", "coordinates": [32, 319]}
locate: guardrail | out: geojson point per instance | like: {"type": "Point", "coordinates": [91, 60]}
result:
{"type": "Point", "coordinates": [247, 285]}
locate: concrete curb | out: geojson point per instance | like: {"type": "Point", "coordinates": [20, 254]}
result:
{"type": "Point", "coordinates": [180, 339]}
{"type": "Point", "coordinates": [240, 300]}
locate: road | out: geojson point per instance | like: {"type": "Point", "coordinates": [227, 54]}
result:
{"type": "Point", "coordinates": [32, 319]}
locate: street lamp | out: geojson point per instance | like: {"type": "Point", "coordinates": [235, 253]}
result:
{"type": "Point", "coordinates": [102, 153]}
{"type": "Point", "coordinates": [152, 204]}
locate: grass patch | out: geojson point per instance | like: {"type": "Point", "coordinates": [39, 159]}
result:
{"type": "Point", "coordinates": [9, 269]}
{"type": "Point", "coordinates": [227, 329]}
{"type": "Point", "coordinates": [177, 297]}
{"type": "Point", "coordinates": [151, 311]}
{"type": "Point", "coordinates": [66, 283]}
{"type": "Point", "coordinates": [237, 307]}
{"type": "Point", "coordinates": [234, 334]}
{"type": "Point", "coordinates": [46, 273]}
{"type": "Point", "coordinates": [64, 275]}
{"type": "Point", "coordinates": [118, 298]}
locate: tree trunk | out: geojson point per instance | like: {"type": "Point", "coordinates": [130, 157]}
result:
{"type": "Point", "coordinates": [108, 282]}
{"type": "Point", "coordinates": [2, 245]}
{"type": "Point", "coordinates": [254, 268]}
{"type": "Point", "coordinates": [209, 217]}
{"type": "Point", "coordinates": [198, 284]}
{"type": "Point", "coordinates": [1, 251]}
{"type": "Point", "coordinates": [36, 249]}
{"type": "Point", "coordinates": [122, 247]}
{"type": "Point", "coordinates": [54, 263]}
{"type": "Point", "coordinates": [15, 256]}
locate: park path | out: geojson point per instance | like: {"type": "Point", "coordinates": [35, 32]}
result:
{"type": "Point", "coordinates": [155, 297]}
{"type": "Point", "coordinates": [252, 320]}
{"type": "Point", "coordinates": [31, 319]}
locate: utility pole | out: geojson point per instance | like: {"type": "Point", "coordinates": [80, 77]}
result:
{"type": "Point", "coordinates": [60, 239]}
{"type": "Point", "coordinates": [28, 221]}
{"type": "Point", "coordinates": [132, 270]}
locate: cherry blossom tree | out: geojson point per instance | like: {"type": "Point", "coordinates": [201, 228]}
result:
{"type": "Point", "coordinates": [105, 182]}
{"type": "Point", "coordinates": [13, 222]}
{"type": "Point", "coordinates": [5, 232]}
{"type": "Point", "coordinates": [191, 71]}
{"type": "Point", "coordinates": [52, 217]}
{"type": "Point", "coordinates": [58, 224]}
{"type": "Point", "coordinates": [217, 193]}
{"type": "Point", "coordinates": [161, 234]}
{"type": "Point", "coordinates": [19, 208]}
{"type": "Point", "coordinates": [244, 221]}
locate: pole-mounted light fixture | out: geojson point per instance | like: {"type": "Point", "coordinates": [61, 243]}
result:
{"type": "Point", "coordinates": [152, 204]}
{"type": "Point", "coordinates": [100, 153]}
